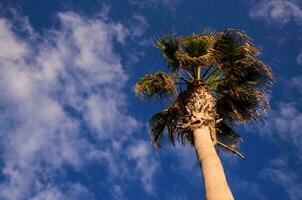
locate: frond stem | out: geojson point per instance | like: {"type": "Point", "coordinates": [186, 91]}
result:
{"type": "Point", "coordinates": [230, 149]}
{"type": "Point", "coordinates": [189, 74]}
{"type": "Point", "coordinates": [183, 79]}
{"type": "Point", "coordinates": [211, 73]}
{"type": "Point", "coordinates": [205, 73]}
{"type": "Point", "coordinates": [217, 80]}
{"type": "Point", "coordinates": [198, 72]}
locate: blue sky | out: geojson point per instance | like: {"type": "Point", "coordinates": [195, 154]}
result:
{"type": "Point", "coordinates": [71, 127]}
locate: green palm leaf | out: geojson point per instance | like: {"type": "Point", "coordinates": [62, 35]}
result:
{"type": "Point", "coordinates": [241, 105]}
{"type": "Point", "coordinates": [168, 45]}
{"type": "Point", "coordinates": [157, 84]}
{"type": "Point", "coordinates": [249, 72]}
{"type": "Point", "coordinates": [232, 45]}
{"type": "Point", "coordinates": [196, 46]}
{"type": "Point", "coordinates": [215, 79]}
{"type": "Point", "coordinates": [226, 63]}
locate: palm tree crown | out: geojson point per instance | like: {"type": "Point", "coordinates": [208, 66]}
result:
{"type": "Point", "coordinates": [225, 64]}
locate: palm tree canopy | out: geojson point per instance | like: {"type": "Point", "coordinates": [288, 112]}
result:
{"type": "Point", "coordinates": [226, 63]}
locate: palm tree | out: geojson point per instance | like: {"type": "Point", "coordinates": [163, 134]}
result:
{"type": "Point", "coordinates": [214, 82]}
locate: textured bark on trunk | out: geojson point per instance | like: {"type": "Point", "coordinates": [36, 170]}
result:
{"type": "Point", "coordinates": [215, 184]}
{"type": "Point", "coordinates": [200, 120]}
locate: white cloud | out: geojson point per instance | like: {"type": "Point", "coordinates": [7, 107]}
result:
{"type": "Point", "coordinates": [13, 49]}
{"type": "Point", "coordinates": [284, 126]}
{"type": "Point", "coordinates": [147, 167]}
{"type": "Point", "coordinates": [279, 173]}
{"type": "Point", "coordinates": [139, 25]}
{"type": "Point", "coordinates": [74, 191]}
{"type": "Point", "coordinates": [296, 83]}
{"type": "Point", "coordinates": [286, 123]}
{"type": "Point", "coordinates": [277, 11]}
{"type": "Point", "coordinates": [53, 85]}
{"type": "Point", "coordinates": [280, 12]}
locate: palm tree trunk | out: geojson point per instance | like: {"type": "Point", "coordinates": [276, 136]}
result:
{"type": "Point", "coordinates": [215, 184]}
{"type": "Point", "coordinates": [201, 118]}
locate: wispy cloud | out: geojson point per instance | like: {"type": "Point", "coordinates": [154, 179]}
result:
{"type": "Point", "coordinates": [299, 58]}
{"type": "Point", "coordinates": [284, 126]}
{"type": "Point", "coordinates": [286, 123]}
{"type": "Point", "coordinates": [141, 153]}
{"type": "Point", "coordinates": [295, 84]}
{"type": "Point", "coordinates": [277, 11]}
{"type": "Point", "coordinates": [248, 188]}
{"type": "Point", "coordinates": [139, 25]}
{"type": "Point", "coordinates": [281, 174]}
{"type": "Point", "coordinates": [63, 106]}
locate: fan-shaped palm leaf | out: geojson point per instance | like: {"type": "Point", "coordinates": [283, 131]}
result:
{"type": "Point", "coordinates": [232, 45]}
{"type": "Point", "coordinates": [165, 121]}
{"type": "Point", "coordinates": [157, 84]}
{"type": "Point", "coordinates": [228, 136]}
{"type": "Point", "coordinates": [242, 105]}
{"type": "Point", "coordinates": [228, 140]}
{"type": "Point", "coordinates": [196, 46]}
{"type": "Point", "coordinates": [168, 45]}
{"type": "Point", "coordinates": [226, 62]}
{"type": "Point", "coordinates": [189, 63]}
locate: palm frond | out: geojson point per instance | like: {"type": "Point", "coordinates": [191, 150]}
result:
{"type": "Point", "coordinates": [189, 63]}
{"type": "Point", "coordinates": [226, 63]}
{"type": "Point", "coordinates": [194, 52]}
{"type": "Point", "coordinates": [196, 46]}
{"type": "Point", "coordinates": [242, 105]}
{"type": "Point", "coordinates": [250, 73]}
{"type": "Point", "coordinates": [165, 121]}
{"type": "Point", "coordinates": [232, 45]}
{"type": "Point", "coordinates": [185, 137]}
{"type": "Point", "coordinates": [228, 136]}
{"type": "Point", "coordinates": [168, 45]}
{"type": "Point", "coordinates": [157, 84]}
{"type": "Point", "coordinates": [214, 79]}
{"type": "Point", "coordinates": [208, 32]}
{"type": "Point", "coordinates": [228, 140]}
{"type": "Point", "coordinates": [241, 91]}
{"type": "Point", "coordinates": [157, 125]}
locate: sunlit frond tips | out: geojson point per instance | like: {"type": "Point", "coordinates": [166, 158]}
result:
{"type": "Point", "coordinates": [157, 84]}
